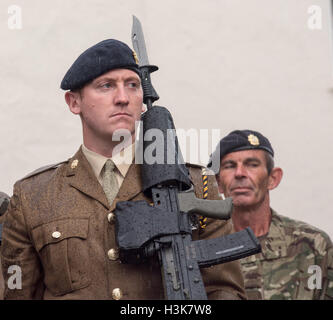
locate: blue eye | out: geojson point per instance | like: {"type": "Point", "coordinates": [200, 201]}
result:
{"type": "Point", "coordinates": [228, 166]}
{"type": "Point", "coordinates": [133, 84]}
{"type": "Point", "coordinates": [253, 164]}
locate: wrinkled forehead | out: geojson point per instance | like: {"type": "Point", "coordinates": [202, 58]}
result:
{"type": "Point", "coordinates": [243, 155]}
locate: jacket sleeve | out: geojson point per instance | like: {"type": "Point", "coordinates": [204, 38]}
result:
{"type": "Point", "coordinates": [222, 281]}
{"type": "Point", "coordinates": [327, 267]}
{"type": "Point", "coordinates": [2, 283]}
{"type": "Point", "coordinates": [21, 268]}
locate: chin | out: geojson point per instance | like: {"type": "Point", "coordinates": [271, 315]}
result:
{"type": "Point", "coordinates": [241, 202]}
{"type": "Point", "coordinates": [123, 131]}
{"type": "Point", "coordinates": [241, 205]}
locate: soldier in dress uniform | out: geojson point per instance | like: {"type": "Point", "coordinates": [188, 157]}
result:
{"type": "Point", "coordinates": [59, 227]}
{"type": "Point", "coordinates": [296, 258]}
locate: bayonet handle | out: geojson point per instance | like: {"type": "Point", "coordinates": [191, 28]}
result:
{"type": "Point", "coordinates": [216, 209]}
{"type": "Point", "coordinates": [149, 93]}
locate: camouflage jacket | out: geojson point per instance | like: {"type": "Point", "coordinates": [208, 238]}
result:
{"type": "Point", "coordinates": [287, 266]}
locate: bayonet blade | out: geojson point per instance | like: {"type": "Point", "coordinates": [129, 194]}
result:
{"type": "Point", "coordinates": [139, 45]}
{"type": "Point", "coordinates": [138, 42]}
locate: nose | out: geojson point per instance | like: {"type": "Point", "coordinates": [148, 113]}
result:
{"type": "Point", "coordinates": [240, 171]}
{"type": "Point", "coordinates": [121, 96]}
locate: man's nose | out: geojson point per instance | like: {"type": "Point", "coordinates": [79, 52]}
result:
{"type": "Point", "coordinates": [121, 96]}
{"type": "Point", "coordinates": [240, 171]}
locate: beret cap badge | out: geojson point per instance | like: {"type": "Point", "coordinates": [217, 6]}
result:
{"type": "Point", "coordinates": [253, 140]}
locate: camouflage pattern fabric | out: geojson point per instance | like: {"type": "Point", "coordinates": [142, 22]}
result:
{"type": "Point", "coordinates": [283, 269]}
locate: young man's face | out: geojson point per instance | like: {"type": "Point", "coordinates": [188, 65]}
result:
{"type": "Point", "coordinates": [109, 103]}
{"type": "Point", "coordinates": [243, 176]}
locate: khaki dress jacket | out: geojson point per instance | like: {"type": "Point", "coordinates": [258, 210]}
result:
{"type": "Point", "coordinates": [57, 231]}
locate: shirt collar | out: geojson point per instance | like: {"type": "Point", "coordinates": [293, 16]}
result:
{"type": "Point", "coordinates": [122, 160]}
{"type": "Point", "coordinates": [274, 245]}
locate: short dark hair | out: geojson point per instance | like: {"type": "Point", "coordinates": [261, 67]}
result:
{"type": "Point", "coordinates": [269, 162]}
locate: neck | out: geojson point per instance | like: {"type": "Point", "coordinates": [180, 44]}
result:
{"type": "Point", "coordinates": [107, 148]}
{"type": "Point", "coordinates": [258, 219]}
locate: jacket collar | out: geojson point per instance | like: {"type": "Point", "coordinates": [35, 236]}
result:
{"type": "Point", "coordinates": [274, 245]}
{"type": "Point", "coordinates": [131, 185]}
{"type": "Point", "coordinates": [82, 178]}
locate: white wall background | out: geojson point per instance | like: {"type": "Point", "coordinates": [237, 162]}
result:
{"type": "Point", "coordinates": [224, 64]}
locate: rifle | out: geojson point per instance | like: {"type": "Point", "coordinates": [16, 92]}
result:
{"type": "Point", "coordinates": [166, 227]}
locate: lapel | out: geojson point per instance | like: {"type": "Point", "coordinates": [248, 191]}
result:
{"type": "Point", "coordinates": [131, 185]}
{"type": "Point", "coordinates": [82, 178]}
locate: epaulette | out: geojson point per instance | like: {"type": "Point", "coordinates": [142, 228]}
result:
{"type": "Point", "coordinates": [194, 165]}
{"type": "Point", "coordinates": [208, 172]}
{"type": "Point", "coordinates": [43, 169]}
{"type": "Point", "coordinates": [205, 170]}
{"type": "Point", "coordinates": [204, 176]}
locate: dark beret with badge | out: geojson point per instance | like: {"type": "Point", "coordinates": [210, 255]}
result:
{"type": "Point", "coordinates": [239, 140]}
{"type": "Point", "coordinates": [102, 57]}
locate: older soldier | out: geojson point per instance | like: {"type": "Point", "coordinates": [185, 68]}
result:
{"type": "Point", "coordinates": [296, 259]}
{"type": "Point", "coordinates": [59, 227]}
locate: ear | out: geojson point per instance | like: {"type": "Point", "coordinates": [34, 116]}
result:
{"type": "Point", "coordinates": [143, 109]}
{"type": "Point", "coordinates": [219, 184]}
{"type": "Point", "coordinates": [275, 178]}
{"type": "Point", "coordinates": [73, 99]}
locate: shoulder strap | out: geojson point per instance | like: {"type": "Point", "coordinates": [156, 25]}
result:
{"type": "Point", "coordinates": [43, 169]}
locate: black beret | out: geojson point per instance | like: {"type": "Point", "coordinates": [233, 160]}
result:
{"type": "Point", "coordinates": [236, 141]}
{"type": "Point", "coordinates": [102, 57]}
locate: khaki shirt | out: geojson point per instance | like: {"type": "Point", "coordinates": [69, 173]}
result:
{"type": "Point", "coordinates": [122, 160]}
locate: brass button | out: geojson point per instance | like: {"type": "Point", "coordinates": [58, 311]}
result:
{"type": "Point", "coordinates": [113, 254]}
{"type": "Point", "coordinates": [117, 294]}
{"type": "Point", "coordinates": [111, 217]}
{"type": "Point", "coordinates": [56, 234]}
